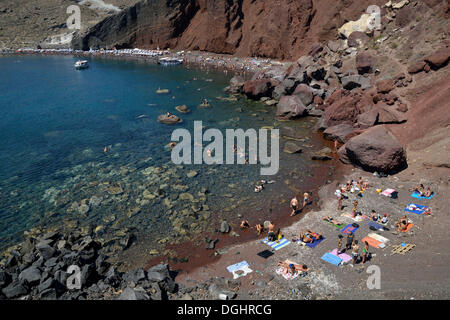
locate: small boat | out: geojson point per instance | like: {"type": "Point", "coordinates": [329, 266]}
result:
{"type": "Point", "coordinates": [168, 61]}
{"type": "Point", "coordinates": [81, 64]}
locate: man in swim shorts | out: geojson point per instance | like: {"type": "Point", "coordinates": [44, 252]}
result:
{"type": "Point", "coordinates": [294, 205]}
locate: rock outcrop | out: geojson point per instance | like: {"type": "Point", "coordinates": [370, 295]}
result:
{"type": "Point", "coordinates": [375, 150]}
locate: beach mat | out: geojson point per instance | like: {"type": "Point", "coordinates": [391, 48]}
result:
{"type": "Point", "coordinates": [420, 209]}
{"type": "Point", "coordinates": [287, 275]}
{"type": "Point", "coordinates": [239, 269]}
{"type": "Point", "coordinates": [376, 225]}
{"type": "Point", "coordinates": [331, 258]}
{"type": "Point", "coordinates": [372, 242]}
{"type": "Point", "coordinates": [345, 257]}
{"type": "Point", "coordinates": [378, 237]}
{"type": "Point", "coordinates": [410, 225]}
{"type": "Point", "coordinates": [417, 195]}
{"type": "Point", "coordinates": [349, 229]}
{"type": "Point", "coordinates": [265, 254]}
{"type": "Point", "coordinates": [276, 245]}
{"type": "Point", "coordinates": [334, 225]}
{"type": "Point", "coordinates": [315, 242]}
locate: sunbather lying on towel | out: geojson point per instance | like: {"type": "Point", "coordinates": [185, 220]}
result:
{"type": "Point", "coordinates": [427, 193]}
{"type": "Point", "coordinates": [292, 268]}
{"type": "Point", "coordinates": [402, 224]}
{"type": "Point", "coordinates": [333, 221]}
{"type": "Point", "coordinates": [309, 236]}
{"type": "Point", "coordinates": [419, 188]}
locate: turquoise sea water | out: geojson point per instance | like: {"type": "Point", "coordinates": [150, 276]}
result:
{"type": "Point", "coordinates": [55, 123]}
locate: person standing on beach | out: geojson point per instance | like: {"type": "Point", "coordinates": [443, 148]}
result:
{"type": "Point", "coordinates": [350, 238]}
{"type": "Point", "coordinates": [339, 244]}
{"type": "Point", "coordinates": [355, 251]}
{"type": "Point", "coordinates": [365, 252]}
{"type": "Point", "coordinates": [305, 199]}
{"type": "Point", "coordinates": [355, 206]}
{"type": "Point", "coordinates": [340, 198]}
{"type": "Point", "coordinates": [294, 205]}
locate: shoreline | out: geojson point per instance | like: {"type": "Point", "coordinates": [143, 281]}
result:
{"type": "Point", "coordinates": [201, 60]}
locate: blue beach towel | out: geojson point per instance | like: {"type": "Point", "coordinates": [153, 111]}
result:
{"type": "Point", "coordinates": [277, 245]}
{"type": "Point", "coordinates": [349, 229]}
{"type": "Point", "coordinates": [416, 195]}
{"type": "Point", "coordinates": [331, 258]}
{"type": "Point", "coordinates": [420, 209]}
{"type": "Point", "coordinates": [315, 243]}
{"type": "Point", "coordinates": [375, 225]}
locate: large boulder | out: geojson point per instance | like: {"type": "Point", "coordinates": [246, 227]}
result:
{"type": "Point", "coordinates": [258, 88]}
{"type": "Point", "coordinates": [290, 107]}
{"type": "Point", "coordinates": [416, 66]}
{"type": "Point", "coordinates": [236, 85]}
{"type": "Point", "coordinates": [363, 24]}
{"type": "Point", "coordinates": [387, 114]}
{"type": "Point", "coordinates": [30, 276]}
{"type": "Point", "coordinates": [169, 119]}
{"type": "Point", "coordinates": [286, 87]}
{"type": "Point", "coordinates": [367, 119]}
{"type": "Point", "coordinates": [376, 150]}
{"type": "Point", "coordinates": [345, 108]}
{"type": "Point", "coordinates": [14, 290]}
{"type": "Point", "coordinates": [133, 294]}
{"type": "Point", "coordinates": [341, 132]}
{"type": "Point", "coordinates": [355, 81]}
{"type": "Point", "coordinates": [305, 93]}
{"type": "Point", "coordinates": [357, 39]}
{"type": "Point", "coordinates": [385, 86]}
{"type": "Point", "coordinates": [439, 58]}
{"type": "Point", "coordinates": [365, 63]}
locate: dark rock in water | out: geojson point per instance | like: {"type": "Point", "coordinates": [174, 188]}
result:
{"type": "Point", "coordinates": [258, 88]}
{"type": "Point", "coordinates": [30, 276]}
{"type": "Point", "coordinates": [376, 150]}
{"type": "Point", "coordinates": [236, 85]}
{"type": "Point", "coordinates": [171, 119]}
{"type": "Point", "coordinates": [291, 133]}
{"type": "Point", "coordinates": [290, 107]}
{"type": "Point", "coordinates": [323, 154]}
{"type": "Point", "coordinates": [225, 227]}
{"type": "Point", "coordinates": [133, 294]}
{"type": "Point", "coordinates": [15, 290]}
{"type": "Point", "coordinates": [292, 147]}
{"type": "Point", "coordinates": [46, 251]}
{"type": "Point", "coordinates": [183, 109]}
{"type": "Point", "coordinates": [113, 278]}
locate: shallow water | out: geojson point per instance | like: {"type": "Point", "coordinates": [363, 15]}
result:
{"type": "Point", "coordinates": [56, 122]}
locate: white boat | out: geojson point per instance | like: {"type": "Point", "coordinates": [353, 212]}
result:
{"type": "Point", "coordinates": [81, 64]}
{"type": "Point", "coordinates": [168, 61]}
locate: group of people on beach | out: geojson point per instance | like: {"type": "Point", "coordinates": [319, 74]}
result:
{"type": "Point", "coordinates": [295, 204]}
{"type": "Point", "coordinates": [420, 189]}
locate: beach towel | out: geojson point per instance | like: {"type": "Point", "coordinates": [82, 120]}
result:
{"type": "Point", "coordinates": [378, 237]}
{"type": "Point", "coordinates": [416, 208]}
{"type": "Point", "coordinates": [265, 254]}
{"type": "Point", "coordinates": [334, 225]}
{"type": "Point", "coordinates": [240, 269]}
{"type": "Point", "coordinates": [358, 218]}
{"type": "Point", "coordinates": [372, 242]}
{"type": "Point", "coordinates": [287, 275]}
{"type": "Point", "coordinates": [315, 243]}
{"type": "Point", "coordinates": [276, 245]}
{"type": "Point", "coordinates": [408, 227]}
{"type": "Point", "coordinates": [376, 225]}
{"type": "Point", "coordinates": [389, 193]}
{"type": "Point", "coordinates": [331, 258]}
{"type": "Point", "coordinates": [349, 229]}
{"type": "Point", "coordinates": [417, 195]}
{"type": "Point", "coordinates": [345, 257]}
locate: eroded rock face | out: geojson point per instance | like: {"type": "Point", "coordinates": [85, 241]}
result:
{"type": "Point", "coordinates": [365, 63]}
{"type": "Point", "coordinates": [258, 88]}
{"type": "Point", "coordinates": [375, 150]}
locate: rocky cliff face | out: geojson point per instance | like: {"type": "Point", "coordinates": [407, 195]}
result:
{"type": "Point", "coordinates": [283, 29]}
